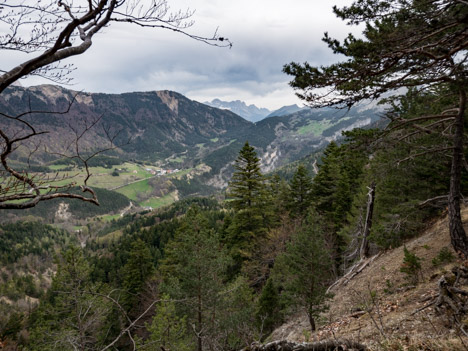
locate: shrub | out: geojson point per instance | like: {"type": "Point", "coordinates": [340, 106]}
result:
{"type": "Point", "coordinates": [411, 266]}
{"type": "Point", "coordinates": [444, 256]}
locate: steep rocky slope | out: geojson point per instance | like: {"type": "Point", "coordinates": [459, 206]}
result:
{"type": "Point", "coordinates": [382, 309]}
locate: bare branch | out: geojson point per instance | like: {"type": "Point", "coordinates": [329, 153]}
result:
{"type": "Point", "coordinates": [52, 31]}
{"type": "Point", "coordinates": [431, 151]}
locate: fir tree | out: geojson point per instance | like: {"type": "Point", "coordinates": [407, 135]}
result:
{"type": "Point", "coordinates": [247, 182]}
{"type": "Point", "coordinates": [248, 197]}
{"type": "Point", "coordinates": [193, 272]}
{"type": "Point", "coordinates": [304, 270]}
{"type": "Point", "coordinates": [325, 185]}
{"type": "Point", "coordinates": [136, 271]}
{"type": "Point", "coordinates": [299, 199]}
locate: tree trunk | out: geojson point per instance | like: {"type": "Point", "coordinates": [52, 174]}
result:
{"type": "Point", "coordinates": [312, 323]}
{"type": "Point", "coordinates": [364, 251]}
{"type": "Point", "coordinates": [200, 319]}
{"type": "Point", "coordinates": [457, 232]}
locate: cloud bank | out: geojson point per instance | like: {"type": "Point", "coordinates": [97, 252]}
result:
{"type": "Point", "coordinates": [266, 35]}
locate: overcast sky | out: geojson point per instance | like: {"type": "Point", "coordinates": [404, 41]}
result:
{"type": "Point", "coordinates": [266, 34]}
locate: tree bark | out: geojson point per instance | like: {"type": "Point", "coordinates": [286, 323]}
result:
{"type": "Point", "coordinates": [364, 251]}
{"type": "Point", "coordinates": [458, 236]}
{"type": "Point", "coordinates": [312, 323]}
{"type": "Point", "coordinates": [200, 318]}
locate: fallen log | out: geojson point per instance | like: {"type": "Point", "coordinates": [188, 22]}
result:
{"type": "Point", "coordinates": [325, 345]}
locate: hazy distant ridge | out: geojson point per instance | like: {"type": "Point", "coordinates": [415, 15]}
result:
{"type": "Point", "coordinates": [251, 113]}
{"type": "Point", "coordinates": [286, 110]}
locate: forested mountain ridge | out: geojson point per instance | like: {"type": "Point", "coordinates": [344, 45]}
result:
{"type": "Point", "coordinates": [158, 123]}
{"type": "Point", "coordinates": [159, 126]}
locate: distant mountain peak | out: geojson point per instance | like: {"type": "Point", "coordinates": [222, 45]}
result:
{"type": "Point", "coordinates": [251, 113]}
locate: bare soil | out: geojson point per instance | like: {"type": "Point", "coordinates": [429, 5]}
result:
{"type": "Point", "coordinates": [380, 306]}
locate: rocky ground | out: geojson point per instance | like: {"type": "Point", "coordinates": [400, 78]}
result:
{"type": "Point", "coordinates": [382, 308]}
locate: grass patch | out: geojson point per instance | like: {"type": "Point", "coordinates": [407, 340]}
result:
{"type": "Point", "coordinates": [178, 159]}
{"type": "Point", "coordinates": [132, 190]}
{"type": "Point", "coordinates": [157, 202]}
{"type": "Point", "coordinates": [108, 218]}
{"type": "Point", "coordinates": [102, 177]}
{"type": "Point", "coordinates": [314, 127]}
{"type": "Point", "coordinates": [214, 140]}
{"type": "Point", "coordinates": [57, 167]}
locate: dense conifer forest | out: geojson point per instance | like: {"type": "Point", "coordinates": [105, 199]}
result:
{"type": "Point", "coordinates": [203, 274]}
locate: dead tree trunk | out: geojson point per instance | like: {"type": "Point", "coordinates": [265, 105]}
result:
{"type": "Point", "coordinates": [364, 252]}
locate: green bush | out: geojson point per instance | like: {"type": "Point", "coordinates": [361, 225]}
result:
{"type": "Point", "coordinates": [444, 256]}
{"type": "Point", "coordinates": [411, 266]}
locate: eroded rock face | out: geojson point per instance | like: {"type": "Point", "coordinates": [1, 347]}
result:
{"type": "Point", "coordinates": [63, 213]}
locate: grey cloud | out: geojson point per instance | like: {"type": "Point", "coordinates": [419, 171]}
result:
{"type": "Point", "coordinates": [131, 59]}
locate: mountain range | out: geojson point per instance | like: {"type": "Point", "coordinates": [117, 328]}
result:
{"type": "Point", "coordinates": [251, 113]}
{"type": "Point", "coordinates": [162, 126]}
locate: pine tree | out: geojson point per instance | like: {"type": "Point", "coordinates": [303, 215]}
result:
{"type": "Point", "coordinates": [193, 272]}
{"type": "Point", "coordinates": [136, 271]}
{"type": "Point", "coordinates": [304, 270]}
{"type": "Point", "coordinates": [249, 198]}
{"type": "Point", "coordinates": [405, 44]}
{"type": "Point", "coordinates": [299, 199]}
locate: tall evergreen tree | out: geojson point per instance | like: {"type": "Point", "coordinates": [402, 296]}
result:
{"type": "Point", "coordinates": [304, 270]}
{"type": "Point", "coordinates": [193, 272]}
{"type": "Point", "coordinates": [413, 43]}
{"type": "Point", "coordinates": [248, 198]}
{"type": "Point", "coordinates": [325, 185]}
{"type": "Point", "coordinates": [299, 199]}
{"type": "Point", "coordinates": [136, 271]}
{"type": "Point", "coordinates": [247, 182]}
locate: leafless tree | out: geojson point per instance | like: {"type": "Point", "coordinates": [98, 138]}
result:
{"type": "Point", "coordinates": [49, 32]}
